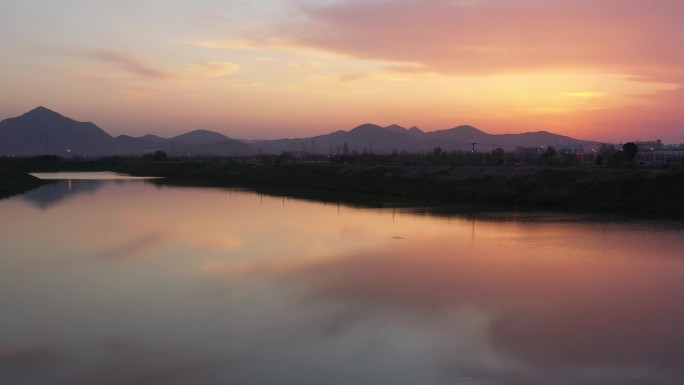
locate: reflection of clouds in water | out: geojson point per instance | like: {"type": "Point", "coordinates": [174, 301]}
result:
{"type": "Point", "coordinates": [31, 365]}
{"type": "Point", "coordinates": [222, 242]}
{"type": "Point", "coordinates": [26, 358]}
{"type": "Point", "coordinates": [125, 362]}
{"type": "Point", "coordinates": [570, 316]}
{"type": "Point", "coordinates": [292, 294]}
{"type": "Point", "coordinates": [626, 329]}
{"type": "Point", "coordinates": [117, 361]}
{"type": "Point", "coordinates": [135, 247]}
{"type": "Point", "coordinates": [140, 246]}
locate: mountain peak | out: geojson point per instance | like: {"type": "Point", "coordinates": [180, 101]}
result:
{"type": "Point", "coordinates": [395, 128]}
{"type": "Point", "coordinates": [467, 128]}
{"type": "Point", "coordinates": [43, 112]}
{"type": "Point", "coordinates": [201, 137]}
{"type": "Point", "coordinates": [366, 127]}
{"type": "Point", "coordinates": [415, 131]}
{"type": "Point", "coordinates": [43, 131]}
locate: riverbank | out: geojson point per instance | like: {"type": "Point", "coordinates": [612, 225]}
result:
{"type": "Point", "coordinates": [630, 192]}
{"type": "Point", "coordinates": [16, 182]}
{"type": "Point", "coordinates": [626, 192]}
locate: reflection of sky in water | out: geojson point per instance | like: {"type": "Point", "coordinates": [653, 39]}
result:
{"type": "Point", "coordinates": [133, 283]}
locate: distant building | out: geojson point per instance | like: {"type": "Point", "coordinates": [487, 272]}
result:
{"type": "Point", "coordinates": [607, 148]}
{"type": "Point", "coordinates": [570, 148]}
{"type": "Point", "coordinates": [647, 146]}
{"type": "Point", "coordinates": [654, 153]}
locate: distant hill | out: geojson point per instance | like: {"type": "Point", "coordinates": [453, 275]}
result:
{"type": "Point", "coordinates": [370, 137]}
{"type": "Point", "coordinates": [200, 137]}
{"type": "Point", "coordinates": [129, 145]}
{"type": "Point", "coordinates": [199, 142]}
{"type": "Point", "coordinates": [364, 138]}
{"type": "Point", "coordinates": [42, 131]}
{"type": "Point", "coordinates": [464, 136]}
{"type": "Point", "coordinates": [413, 131]}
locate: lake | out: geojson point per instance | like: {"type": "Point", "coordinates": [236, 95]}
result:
{"type": "Point", "coordinates": [111, 280]}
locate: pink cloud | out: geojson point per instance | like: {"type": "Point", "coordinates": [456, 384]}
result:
{"type": "Point", "coordinates": [638, 37]}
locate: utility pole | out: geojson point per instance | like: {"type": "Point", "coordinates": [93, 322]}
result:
{"type": "Point", "coordinates": [473, 150]}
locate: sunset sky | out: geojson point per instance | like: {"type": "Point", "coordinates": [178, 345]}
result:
{"type": "Point", "coordinates": [610, 70]}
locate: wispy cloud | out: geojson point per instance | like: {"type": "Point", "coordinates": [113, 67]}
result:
{"type": "Point", "coordinates": [263, 40]}
{"type": "Point", "coordinates": [585, 94]}
{"type": "Point", "coordinates": [129, 63]}
{"type": "Point", "coordinates": [136, 65]}
{"type": "Point", "coordinates": [213, 69]}
{"type": "Point", "coordinates": [345, 78]}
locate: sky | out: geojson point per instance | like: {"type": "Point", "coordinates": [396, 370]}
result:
{"type": "Point", "coordinates": [610, 70]}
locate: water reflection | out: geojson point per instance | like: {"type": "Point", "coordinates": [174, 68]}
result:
{"type": "Point", "coordinates": [70, 184]}
{"type": "Point", "coordinates": [52, 194]}
{"type": "Point", "coordinates": [553, 314]}
{"type": "Point", "coordinates": [136, 284]}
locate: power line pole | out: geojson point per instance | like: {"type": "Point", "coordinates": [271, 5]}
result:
{"type": "Point", "coordinates": [473, 150]}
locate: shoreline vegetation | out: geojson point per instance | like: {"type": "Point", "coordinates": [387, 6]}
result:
{"type": "Point", "coordinates": [16, 182]}
{"type": "Point", "coordinates": [630, 192]}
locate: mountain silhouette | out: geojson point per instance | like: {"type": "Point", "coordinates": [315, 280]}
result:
{"type": "Point", "coordinates": [463, 136]}
{"type": "Point", "coordinates": [129, 145]}
{"type": "Point", "coordinates": [201, 137]}
{"type": "Point", "coordinates": [371, 138]}
{"type": "Point", "coordinates": [413, 131]}
{"type": "Point", "coordinates": [42, 131]}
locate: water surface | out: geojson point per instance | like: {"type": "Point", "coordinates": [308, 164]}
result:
{"type": "Point", "coordinates": [124, 282]}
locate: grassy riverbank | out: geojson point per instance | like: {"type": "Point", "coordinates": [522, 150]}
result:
{"type": "Point", "coordinates": [16, 182]}
{"type": "Point", "coordinates": [632, 192]}
{"type": "Point", "coordinates": [627, 192]}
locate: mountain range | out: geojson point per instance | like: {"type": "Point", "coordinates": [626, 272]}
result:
{"type": "Point", "coordinates": [43, 131]}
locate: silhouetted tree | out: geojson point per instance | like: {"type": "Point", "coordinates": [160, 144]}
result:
{"type": "Point", "coordinates": [630, 149]}
{"type": "Point", "coordinates": [438, 155]}
{"type": "Point", "coordinates": [498, 154]}
{"type": "Point", "coordinates": [548, 155]}
{"type": "Point", "coordinates": [619, 159]}
{"type": "Point", "coordinates": [437, 151]}
{"type": "Point", "coordinates": [158, 156]}
{"type": "Point", "coordinates": [47, 158]}
{"type": "Point", "coordinates": [599, 160]}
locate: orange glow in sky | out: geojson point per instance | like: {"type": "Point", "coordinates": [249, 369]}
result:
{"type": "Point", "coordinates": [609, 70]}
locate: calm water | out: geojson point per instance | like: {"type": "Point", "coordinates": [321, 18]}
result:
{"type": "Point", "coordinates": [123, 282]}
